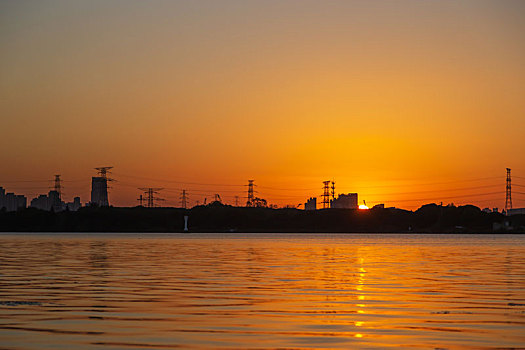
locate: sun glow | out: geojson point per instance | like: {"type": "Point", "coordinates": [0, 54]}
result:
{"type": "Point", "coordinates": [363, 207]}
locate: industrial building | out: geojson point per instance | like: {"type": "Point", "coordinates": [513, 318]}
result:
{"type": "Point", "coordinates": [311, 204]}
{"type": "Point", "coordinates": [345, 201]}
{"type": "Point", "coordinates": [10, 201]}
{"type": "Point", "coordinates": [99, 191]}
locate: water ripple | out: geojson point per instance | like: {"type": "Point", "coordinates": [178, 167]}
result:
{"type": "Point", "coordinates": [262, 291]}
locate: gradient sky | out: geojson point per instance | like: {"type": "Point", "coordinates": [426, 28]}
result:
{"type": "Point", "coordinates": [404, 102]}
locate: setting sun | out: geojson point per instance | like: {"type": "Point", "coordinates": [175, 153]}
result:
{"type": "Point", "coordinates": [363, 206]}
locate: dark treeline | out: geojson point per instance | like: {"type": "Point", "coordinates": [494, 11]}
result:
{"type": "Point", "coordinates": [220, 218]}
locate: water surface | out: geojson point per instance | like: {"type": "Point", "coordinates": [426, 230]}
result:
{"type": "Point", "coordinates": [292, 291]}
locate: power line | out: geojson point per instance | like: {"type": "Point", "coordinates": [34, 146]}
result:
{"type": "Point", "coordinates": [440, 198]}
{"type": "Point", "coordinates": [151, 198]}
{"type": "Point", "coordinates": [306, 189]}
{"type": "Point", "coordinates": [175, 189]}
{"type": "Point", "coordinates": [432, 191]}
{"type": "Point", "coordinates": [292, 196]}
{"type": "Point", "coordinates": [434, 200]}
{"type": "Point", "coordinates": [179, 182]}
{"type": "Point", "coordinates": [15, 181]}
{"type": "Point", "coordinates": [288, 189]}
{"type": "Point", "coordinates": [433, 183]}
{"type": "Point", "coordinates": [265, 187]}
{"type": "Point", "coordinates": [211, 192]}
{"type": "Point", "coordinates": [32, 188]}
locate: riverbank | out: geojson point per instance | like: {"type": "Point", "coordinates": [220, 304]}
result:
{"type": "Point", "coordinates": [221, 218]}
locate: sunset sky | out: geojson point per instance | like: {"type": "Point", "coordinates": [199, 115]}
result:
{"type": "Point", "coordinates": [404, 102]}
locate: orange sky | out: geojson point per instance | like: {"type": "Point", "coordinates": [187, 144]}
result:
{"type": "Point", "coordinates": [404, 102]}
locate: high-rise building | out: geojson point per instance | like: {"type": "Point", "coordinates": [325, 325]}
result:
{"type": "Point", "coordinates": [345, 201]}
{"type": "Point", "coordinates": [99, 191]}
{"type": "Point", "coordinates": [54, 201]}
{"type": "Point", "coordinates": [41, 202]}
{"type": "Point", "coordinates": [11, 201]}
{"type": "Point", "coordinates": [50, 202]}
{"type": "Point", "coordinates": [21, 201]}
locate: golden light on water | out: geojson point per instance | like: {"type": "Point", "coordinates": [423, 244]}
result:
{"type": "Point", "coordinates": [233, 291]}
{"type": "Point", "coordinates": [360, 284]}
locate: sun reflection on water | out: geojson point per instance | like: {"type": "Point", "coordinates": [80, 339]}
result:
{"type": "Point", "coordinates": [240, 293]}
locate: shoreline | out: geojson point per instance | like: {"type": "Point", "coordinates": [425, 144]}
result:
{"type": "Point", "coordinates": [429, 219]}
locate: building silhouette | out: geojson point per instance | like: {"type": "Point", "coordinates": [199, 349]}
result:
{"type": "Point", "coordinates": [345, 201]}
{"type": "Point", "coordinates": [75, 205]}
{"type": "Point", "coordinates": [10, 201]}
{"type": "Point", "coordinates": [48, 202]}
{"type": "Point", "coordinates": [52, 202]}
{"type": "Point", "coordinates": [99, 191]}
{"type": "Point", "coordinates": [311, 204]}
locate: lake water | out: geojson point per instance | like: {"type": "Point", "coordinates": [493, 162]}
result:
{"type": "Point", "coordinates": [287, 291]}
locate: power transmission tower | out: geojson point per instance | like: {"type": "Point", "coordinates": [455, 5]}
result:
{"type": "Point", "coordinates": [140, 199]}
{"type": "Point", "coordinates": [326, 195]}
{"type": "Point", "coordinates": [184, 199]}
{"type": "Point", "coordinates": [236, 201]}
{"type": "Point", "coordinates": [333, 190]}
{"type": "Point", "coordinates": [218, 198]}
{"type": "Point", "coordinates": [508, 194]}
{"type": "Point", "coordinates": [150, 196]}
{"type": "Point", "coordinates": [58, 187]}
{"type": "Point", "coordinates": [251, 196]}
{"type": "Point", "coordinates": [103, 171]}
